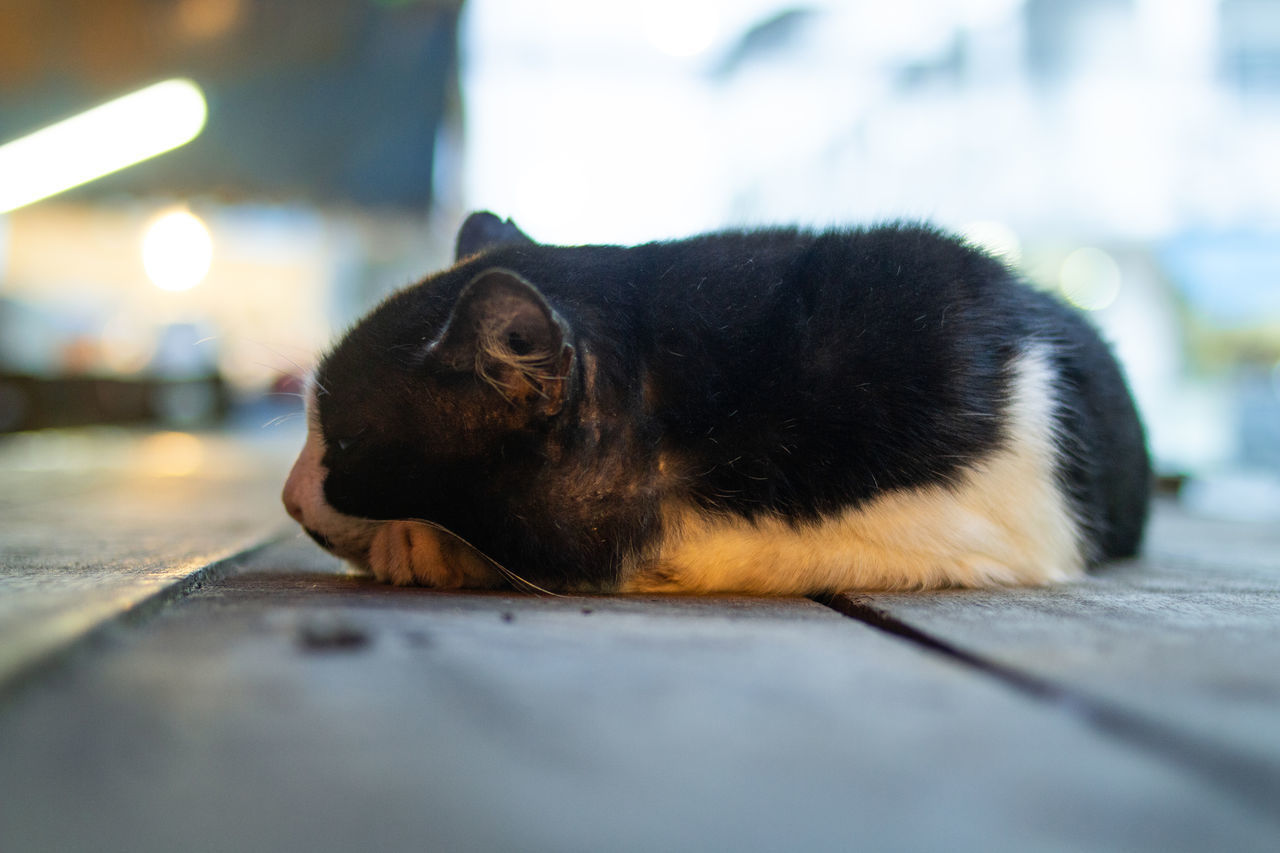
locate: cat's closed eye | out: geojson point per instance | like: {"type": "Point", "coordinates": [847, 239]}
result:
{"type": "Point", "coordinates": [517, 344]}
{"type": "Point", "coordinates": [345, 440]}
{"type": "Point", "coordinates": [345, 443]}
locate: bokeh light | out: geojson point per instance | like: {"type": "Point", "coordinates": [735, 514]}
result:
{"type": "Point", "coordinates": [170, 454]}
{"type": "Point", "coordinates": [177, 250]}
{"type": "Point", "coordinates": [1090, 279]}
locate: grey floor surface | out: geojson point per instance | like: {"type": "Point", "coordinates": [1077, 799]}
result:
{"type": "Point", "coordinates": [168, 683]}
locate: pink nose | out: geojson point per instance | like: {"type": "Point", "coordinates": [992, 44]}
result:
{"type": "Point", "coordinates": [292, 506]}
{"type": "Point", "coordinates": [291, 495]}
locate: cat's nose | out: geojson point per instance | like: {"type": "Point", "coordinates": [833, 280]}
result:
{"type": "Point", "coordinates": [301, 484]}
{"type": "Point", "coordinates": [291, 496]}
{"type": "Point", "coordinates": [292, 505]}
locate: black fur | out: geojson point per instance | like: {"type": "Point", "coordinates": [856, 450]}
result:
{"type": "Point", "coordinates": [777, 371]}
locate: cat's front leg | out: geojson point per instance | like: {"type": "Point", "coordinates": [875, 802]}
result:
{"type": "Point", "coordinates": [409, 553]}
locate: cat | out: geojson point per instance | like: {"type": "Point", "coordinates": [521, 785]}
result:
{"type": "Point", "coordinates": [777, 411]}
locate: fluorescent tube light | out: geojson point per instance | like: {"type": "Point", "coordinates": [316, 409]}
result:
{"type": "Point", "coordinates": [102, 140]}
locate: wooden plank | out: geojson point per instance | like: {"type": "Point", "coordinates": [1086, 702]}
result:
{"type": "Point", "coordinates": [95, 522]}
{"type": "Point", "coordinates": [295, 707]}
{"type": "Point", "coordinates": [1186, 639]}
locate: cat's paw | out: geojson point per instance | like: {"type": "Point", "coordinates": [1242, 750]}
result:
{"type": "Point", "coordinates": [656, 579]}
{"type": "Point", "coordinates": [407, 553]}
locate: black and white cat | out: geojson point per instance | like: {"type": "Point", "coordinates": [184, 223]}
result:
{"type": "Point", "coordinates": [771, 412]}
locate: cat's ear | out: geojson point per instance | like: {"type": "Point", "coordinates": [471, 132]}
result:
{"type": "Point", "coordinates": [482, 230]}
{"type": "Point", "coordinates": [503, 330]}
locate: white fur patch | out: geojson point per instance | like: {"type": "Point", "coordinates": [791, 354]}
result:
{"type": "Point", "coordinates": [349, 537]}
{"type": "Point", "coordinates": [1005, 523]}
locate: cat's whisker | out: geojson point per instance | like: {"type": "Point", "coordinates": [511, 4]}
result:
{"type": "Point", "coordinates": [272, 367]}
{"type": "Point", "coordinates": [278, 354]}
{"type": "Point", "coordinates": [313, 380]}
{"type": "Point", "coordinates": [279, 419]}
{"type": "Point", "coordinates": [511, 576]}
{"type": "Point", "coordinates": [281, 355]}
{"type": "Point", "coordinates": [276, 368]}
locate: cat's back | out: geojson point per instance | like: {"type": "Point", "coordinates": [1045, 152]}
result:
{"type": "Point", "coordinates": [798, 284]}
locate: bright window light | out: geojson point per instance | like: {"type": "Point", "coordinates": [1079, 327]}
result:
{"type": "Point", "coordinates": [995, 237]}
{"type": "Point", "coordinates": [100, 141]}
{"type": "Point", "coordinates": [177, 250]}
{"type": "Point", "coordinates": [681, 28]}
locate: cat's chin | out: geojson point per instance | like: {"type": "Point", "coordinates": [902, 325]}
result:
{"type": "Point", "coordinates": [410, 553]}
{"type": "Point", "coordinates": [347, 540]}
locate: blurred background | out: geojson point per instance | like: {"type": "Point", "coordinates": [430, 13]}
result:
{"type": "Point", "coordinates": [196, 196]}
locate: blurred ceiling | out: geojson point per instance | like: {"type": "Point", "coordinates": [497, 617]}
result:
{"type": "Point", "coordinates": [312, 100]}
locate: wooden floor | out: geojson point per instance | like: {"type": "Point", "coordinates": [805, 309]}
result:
{"type": "Point", "coordinates": [170, 682]}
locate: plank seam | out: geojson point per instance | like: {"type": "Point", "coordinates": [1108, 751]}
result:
{"type": "Point", "coordinates": [1252, 782]}
{"type": "Point", "coordinates": [131, 615]}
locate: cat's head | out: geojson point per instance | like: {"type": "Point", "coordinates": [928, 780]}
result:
{"type": "Point", "coordinates": [412, 410]}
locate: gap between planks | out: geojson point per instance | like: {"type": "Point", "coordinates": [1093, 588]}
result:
{"type": "Point", "coordinates": [132, 614]}
{"type": "Point", "coordinates": [1252, 782]}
